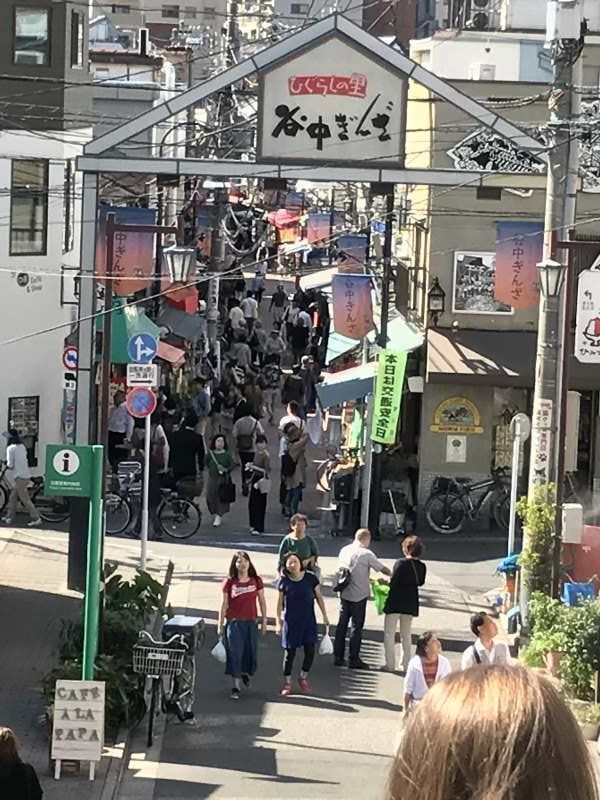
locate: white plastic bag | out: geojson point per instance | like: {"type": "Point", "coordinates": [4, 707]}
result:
{"type": "Point", "coordinates": [326, 645]}
{"type": "Point", "coordinates": [219, 652]}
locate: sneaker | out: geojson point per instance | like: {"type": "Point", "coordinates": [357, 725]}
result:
{"type": "Point", "coordinates": [254, 532]}
{"type": "Point", "coordinates": [358, 664]}
{"type": "Point", "coordinates": [235, 694]}
{"type": "Point", "coordinates": [340, 662]}
{"type": "Point", "coordinates": [286, 690]}
{"type": "Point", "coordinates": [35, 523]}
{"type": "Point", "coordinates": [246, 680]}
{"type": "Point", "coordinates": [216, 521]}
{"type": "Point", "coordinates": [304, 685]}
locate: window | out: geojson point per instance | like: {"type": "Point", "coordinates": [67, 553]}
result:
{"type": "Point", "coordinates": [29, 207]}
{"type": "Point", "coordinates": [68, 205]}
{"type": "Point", "coordinates": [118, 9]}
{"type": "Point", "coordinates": [76, 39]}
{"type": "Point", "coordinates": [32, 40]}
{"type": "Point", "coordinates": [299, 8]}
{"type": "Point", "coordinates": [170, 12]}
{"type": "Point", "coordinates": [191, 12]}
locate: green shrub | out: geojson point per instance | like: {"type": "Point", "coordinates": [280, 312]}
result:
{"type": "Point", "coordinates": [538, 515]}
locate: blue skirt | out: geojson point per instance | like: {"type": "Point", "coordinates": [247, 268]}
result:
{"type": "Point", "coordinates": [241, 645]}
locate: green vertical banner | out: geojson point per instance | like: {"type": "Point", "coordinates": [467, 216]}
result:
{"type": "Point", "coordinates": [388, 395]}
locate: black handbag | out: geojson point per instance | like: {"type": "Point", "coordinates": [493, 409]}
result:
{"type": "Point", "coordinates": [226, 491]}
{"type": "Point", "coordinates": [342, 579]}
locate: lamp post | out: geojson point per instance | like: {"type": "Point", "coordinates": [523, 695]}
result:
{"type": "Point", "coordinates": [552, 278]}
{"type": "Point", "coordinates": [179, 262]}
{"type": "Point", "coordinates": [436, 305]}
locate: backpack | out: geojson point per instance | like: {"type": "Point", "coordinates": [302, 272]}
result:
{"type": "Point", "coordinates": [342, 579]}
{"type": "Point", "coordinates": [288, 465]}
{"type": "Point", "coordinates": [245, 441]}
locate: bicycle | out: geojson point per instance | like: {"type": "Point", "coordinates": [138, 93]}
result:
{"type": "Point", "coordinates": [178, 516]}
{"type": "Point", "coordinates": [160, 663]}
{"type": "Point", "coordinates": [451, 502]}
{"type": "Point", "coordinates": [334, 462]}
{"type": "Point", "coordinates": [50, 508]}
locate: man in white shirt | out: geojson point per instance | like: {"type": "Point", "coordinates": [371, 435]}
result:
{"type": "Point", "coordinates": [249, 306]}
{"type": "Point", "coordinates": [120, 429]}
{"type": "Point", "coordinates": [304, 320]}
{"type": "Point", "coordinates": [485, 650]}
{"type": "Point", "coordinates": [360, 561]}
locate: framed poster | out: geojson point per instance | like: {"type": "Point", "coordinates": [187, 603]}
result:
{"type": "Point", "coordinates": [456, 449]}
{"type": "Point", "coordinates": [24, 415]}
{"type": "Point", "coordinates": [474, 282]}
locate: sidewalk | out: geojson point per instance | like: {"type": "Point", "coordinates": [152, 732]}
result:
{"type": "Point", "coordinates": [34, 599]}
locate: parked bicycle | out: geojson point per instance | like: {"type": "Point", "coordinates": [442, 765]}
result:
{"type": "Point", "coordinates": [452, 500]}
{"type": "Point", "coordinates": [347, 457]}
{"type": "Point", "coordinates": [51, 509]}
{"type": "Point", "coordinates": [178, 516]}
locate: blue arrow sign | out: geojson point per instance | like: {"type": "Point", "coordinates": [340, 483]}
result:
{"type": "Point", "coordinates": [142, 348]}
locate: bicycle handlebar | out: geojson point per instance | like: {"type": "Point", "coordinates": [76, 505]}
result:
{"type": "Point", "coordinates": [177, 638]}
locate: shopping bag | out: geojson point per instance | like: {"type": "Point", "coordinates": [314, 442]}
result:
{"type": "Point", "coordinates": [326, 645]}
{"type": "Point", "coordinates": [264, 485]}
{"type": "Point", "coordinates": [226, 492]}
{"type": "Point", "coordinates": [219, 652]}
{"type": "Point", "coordinates": [380, 595]}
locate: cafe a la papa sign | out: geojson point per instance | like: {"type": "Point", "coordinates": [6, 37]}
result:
{"type": "Point", "coordinates": [456, 415]}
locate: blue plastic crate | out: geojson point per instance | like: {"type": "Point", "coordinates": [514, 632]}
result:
{"type": "Point", "coordinates": [574, 594]}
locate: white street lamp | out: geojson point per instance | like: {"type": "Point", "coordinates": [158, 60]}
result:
{"type": "Point", "coordinates": [552, 276]}
{"type": "Point", "coordinates": [179, 261]}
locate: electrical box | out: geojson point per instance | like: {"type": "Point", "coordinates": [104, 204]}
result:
{"type": "Point", "coordinates": [563, 20]}
{"type": "Point", "coordinates": [572, 523]}
{"type": "Point", "coordinates": [482, 72]}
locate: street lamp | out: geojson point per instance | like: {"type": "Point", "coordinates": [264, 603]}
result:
{"type": "Point", "coordinates": [179, 261]}
{"type": "Point", "coordinates": [552, 276]}
{"type": "Point", "coordinates": [436, 301]}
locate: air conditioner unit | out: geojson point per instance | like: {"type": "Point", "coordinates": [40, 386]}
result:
{"type": "Point", "coordinates": [572, 523]}
{"type": "Point", "coordinates": [480, 15]}
{"type": "Point", "coordinates": [482, 72]}
{"type": "Point", "coordinates": [26, 57]}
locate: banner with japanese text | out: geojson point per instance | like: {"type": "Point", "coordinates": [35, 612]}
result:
{"type": "Point", "coordinates": [519, 247]}
{"type": "Point", "coordinates": [352, 305]}
{"type": "Point", "coordinates": [134, 253]}
{"type": "Point", "coordinates": [388, 395]}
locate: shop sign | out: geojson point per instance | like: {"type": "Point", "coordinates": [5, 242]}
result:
{"type": "Point", "coordinates": [541, 442]}
{"type": "Point", "coordinates": [388, 395]}
{"type": "Point", "coordinates": [587, 327]}
{"type": "Point", "coordinates": [78, 722]}
{"type": "Point", "coordinates": [486, 151]}
{"type": "Point", "coordinates": [331, 102]}
{"type": "Point", "coordinates": [456, 415]}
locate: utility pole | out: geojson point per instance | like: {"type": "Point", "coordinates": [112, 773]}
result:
{"type": "Point", "coordinates": [564, 35]}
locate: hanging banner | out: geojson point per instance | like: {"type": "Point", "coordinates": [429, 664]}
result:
{"type": "Point", "coordinates": [519, 248]}
{"type": "Point", "coordinates": [388, 395]}
{"type": "Point", "coordinates": [351, 253]}
{"type": "Point", "coordinates": [352, 306]}
{"type": "Point", "coordinates": [134, 253]}
{"type": "Point", "coordinates": [318, 228]}
{"type": "Point", "coordinates": [587, 327]}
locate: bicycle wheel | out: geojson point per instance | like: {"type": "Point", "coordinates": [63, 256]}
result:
{"type": "Point", "coordinates": [445, 512]}
{"type": "Point", "coordinates": [51, 509]}
{"type": "Point", "coordinates": [154, 708]}
{"type": "Point", "coordinates": [502, 512]}
{"type": "Point", "coordinates": [3, 497]}
{"type": "Point", "coordinates": [117, 512]}
{"type": "Point", "coordinates": [325, 474]}
{"type": "Point", "coordinates": [179, 518]}
{"type": "Point", "coordinates": [183, 696]}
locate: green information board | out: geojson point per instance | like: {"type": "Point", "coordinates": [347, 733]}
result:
{"type": "Point", "coordinates": [68, 470]}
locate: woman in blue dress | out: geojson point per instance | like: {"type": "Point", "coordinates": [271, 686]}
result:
{"type": "Point", "coordinates": [298, 590]}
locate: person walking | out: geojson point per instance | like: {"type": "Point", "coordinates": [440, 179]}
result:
{"type": "Point", "coordinates": [358, 560]}
{"type": "Point", "coordinates": [250, 308]}
{"type": "Point", "coordinates": [293, 388]}
{"type": "Point", "coordinates": [278, 304]}
{"type": "Point", "coordinates": [18, 468]}
{"type": "Point", "coordinates": [238, 619]}
{"type": "Point", "coordinates": [258, 286]}
{"type": "Point", "coordinates": [120, 429]}
{"type": "Point", "coordinates": [293, 465]}
{"type": "Point", "coordinates": [259, 470]}
{"type": "Point", "coordinates": [492, 732]}
{"type": "Point", "coordinates": [271, 378]}
{"type": "Point", "coordinates": [299, 335]}
{"type": "Point", "coordinates": [241, 353]}
{"type": "Point", "coordinates": [295, 619]}
{"type": "Point", "coordinates": [186, 459]}
{"type": "Point", "coordinates": [426, 667]}
{"type": "Point", "coordinates": [402, 603]}
{"type": "Point", "coordinates": [485, 650]}
{"type": "Point", "coordinates": [244, 434]}
{"type": "Point", "coordinates": [18, 780]}
{"type": "Point", "coordinates": [298, 541]}
{"type": "Point", "coordinates": [258, 343]}
{"type": "Point", "coordinates": [202, 404]}
{"type": "Point", "coordinates": [219, 464]}
{"type": "Point", "coordinates": [274, 348]}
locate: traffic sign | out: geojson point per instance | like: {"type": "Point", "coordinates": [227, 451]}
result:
{"type": "Point", "coordinates": [141, 402]}
{"type": "Point", "coordinates": [142, 375]}
{"type": "Point", "coordinates": [69, 381]}
{"type": "Point", "coordinates": [522, 424]}
{"type": "Point", "coordinates": [142, 348]}
{"type": "Point", "coordinates": [69, 358]}
{"type": "Point", "coordinates": [68, 470]}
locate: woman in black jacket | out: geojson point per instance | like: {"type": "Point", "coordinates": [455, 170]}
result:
{"type": "Point", "coordinates": [18, 780]}
{"type": "Point", "coordinates": [402, 603]}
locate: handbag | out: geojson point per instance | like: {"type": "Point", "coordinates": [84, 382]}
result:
{"type": "Point", "coordinates": [264, 485]}
{"type": "Point", "coordinates": [226, 491]}
{"type": "Point", "coordinates": [342, 579]}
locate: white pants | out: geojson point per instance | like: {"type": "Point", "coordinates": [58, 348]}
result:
{"type": "Point", "coordinates": [389, 639]}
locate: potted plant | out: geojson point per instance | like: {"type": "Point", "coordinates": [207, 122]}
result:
{"type": "Point", "coordinates": [548, 641]}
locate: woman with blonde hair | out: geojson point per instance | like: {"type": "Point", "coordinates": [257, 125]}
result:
{"type": "Point", "coordinates": [18, 781]}
{"type": "Point", "coordinates": [492, 733]}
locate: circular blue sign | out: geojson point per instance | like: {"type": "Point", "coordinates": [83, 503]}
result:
{"type": "Point", "coordinates": [141, 402]}
{"type": "Point", "coordinates": [142, 348]}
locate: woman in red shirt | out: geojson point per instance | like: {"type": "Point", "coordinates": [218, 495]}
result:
{"type": "Point", "coordinates": [238, 620]}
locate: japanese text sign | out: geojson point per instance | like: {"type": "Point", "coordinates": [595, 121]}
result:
{"type": "Point", "coordinates": [541, 442]}
{"type": "Point", "coordinates": [78, 730]}
{"type": "Point", "coordinates": [519, 247]}
{"type": "Point", "coordinates": [388, 395]}
{"type": "Point", "coordinates": [352, 305]}
{"type": "Point", "coordinates": [331, 102]}
{"type": "Point", "coordinates": [587, 329]}
{"type": "Point", "coordinates": [133, 253]}
{"type": "Point", "coordinates": [142, 375]}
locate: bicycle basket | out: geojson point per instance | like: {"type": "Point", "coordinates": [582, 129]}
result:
{"type": "Point", "coordinates": [152, 660]}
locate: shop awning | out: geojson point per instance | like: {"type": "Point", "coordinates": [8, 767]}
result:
{"type": "Point", "coordinates": [346, 385]}
{"type": "Point", "coordinates": [127, 321]}
{"type": "Point", "coordinates": [173, 355]}
{"type": "Point", "coordinates": [187, 326]}
{"type": "Point", "coordinates": [318, 279]}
